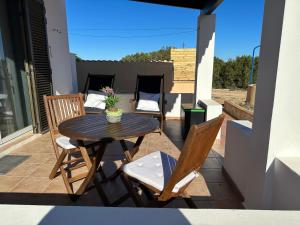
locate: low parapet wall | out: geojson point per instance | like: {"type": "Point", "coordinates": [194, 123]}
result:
{"type": "Point", "coordinates": [237, 111]}
{"type": "Point", "coordinates": [66, 215]}
{"type": "Point", "coordinates": [125, 72]}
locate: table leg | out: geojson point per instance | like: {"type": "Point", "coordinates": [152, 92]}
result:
{"type": "Point", "coordinates": [129, 153]}
{"type": "Point", "coordinates": [92, 166]}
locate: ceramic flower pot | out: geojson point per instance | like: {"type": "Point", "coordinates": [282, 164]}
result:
{"type": "Point", "coordinates": [114, 116]}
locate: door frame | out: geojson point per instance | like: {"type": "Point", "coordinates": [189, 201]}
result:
{"type": "Point", "coordinates": [15, 134]}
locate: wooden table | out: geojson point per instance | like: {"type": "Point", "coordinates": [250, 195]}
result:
{"type": "Point", "coordinates": [91, 110]}
{"type": "Point", "coordinates": [95, 128]}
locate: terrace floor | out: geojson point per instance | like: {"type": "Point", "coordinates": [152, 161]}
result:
{"type": "Point", "coordinates": [28, 182]}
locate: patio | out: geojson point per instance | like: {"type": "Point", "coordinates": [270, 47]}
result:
{"type": "Point", "coordinates": [28, 182]}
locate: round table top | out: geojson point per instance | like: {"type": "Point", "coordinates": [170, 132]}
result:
{"type": "Point", "coordinates": [94, 127]}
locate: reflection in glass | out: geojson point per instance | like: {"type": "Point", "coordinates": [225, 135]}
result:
{"type": "Point", "coordinates": [14, 97]}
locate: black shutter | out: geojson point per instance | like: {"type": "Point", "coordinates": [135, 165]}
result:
{"type": "Point", "coordinates": [40, 62]}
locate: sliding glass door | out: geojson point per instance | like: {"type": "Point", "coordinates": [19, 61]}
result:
{"type": "Point", "coordinates": [15, 113]}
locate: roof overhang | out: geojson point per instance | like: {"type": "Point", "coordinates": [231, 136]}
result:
{"type": "Point", "coordinates": [206, 6]}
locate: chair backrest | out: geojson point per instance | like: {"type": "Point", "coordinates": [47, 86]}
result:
{"type": "Point", "coordinates": [62, 107]}
{"type": "Point", "coordinates": [150, 84]}
{"type": "Point", "coordinates": [95, 82]}
{"type": "Point", "coordinates": [196, 148]}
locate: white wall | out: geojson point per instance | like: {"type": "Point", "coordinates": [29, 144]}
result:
{"type": "Point", "coordinates": [237, 151]}
{"type": "Point", "coordinates": [74, 73]}
{"type": "Point", "coordinates": [286, 184]}
{"type": "Point", "coordinates": [58, 46]}
{"type": "Point", "coordinates": [213, 109]}
{"type": "Point", "coordinates": [276, 130]}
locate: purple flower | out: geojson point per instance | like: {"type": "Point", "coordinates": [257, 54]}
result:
{"type": "Point", "coordinates": [108, 90]}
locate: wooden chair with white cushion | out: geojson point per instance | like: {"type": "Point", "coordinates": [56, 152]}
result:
{"type": "Point", "coordinates": [162, 177]}
{"type": "Point", "coordinates": [70, 155]}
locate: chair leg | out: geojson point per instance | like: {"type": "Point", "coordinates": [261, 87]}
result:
{"type": "Point", "coordinates": [66, 181]}
{"type": "Point", "coordinates": [191, 204]}
{"type": "Point", "coordinates": [58, 164]}
{"type": "Point", "coordinates": [92, 167]}
{"type": "Point", "coordinates": [135, 197]}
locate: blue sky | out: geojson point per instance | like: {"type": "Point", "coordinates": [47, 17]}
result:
{"type": "Point", "coordinates": [111, 29]}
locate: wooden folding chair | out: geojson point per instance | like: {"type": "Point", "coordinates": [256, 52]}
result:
{"type": "Point", "coordinates": [58, 109]}
{"type": "Point", "coordinates": [162, 177]}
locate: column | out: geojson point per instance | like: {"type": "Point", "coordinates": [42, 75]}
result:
{"type": "Point", "coordinates": [276, 125]}
{"type": "Point", "coordinates": [205, 56]}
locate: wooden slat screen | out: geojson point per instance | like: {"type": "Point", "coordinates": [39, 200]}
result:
{"type": "Point", "coordinates": [39, 58]}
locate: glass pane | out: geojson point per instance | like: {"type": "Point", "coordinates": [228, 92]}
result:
{"type": "Point", "coordinates": [14, 101]}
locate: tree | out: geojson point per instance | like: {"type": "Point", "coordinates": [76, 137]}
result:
{"type": "Point", "coordinates": [242, 71]}
{"type": "Point", "coordinates": [234, 73]}
{"type": "Point", "coordinates": [229, 74]}
{"type": "Point", "coordinates": [163, 54]}
{"type": "Point", "coordinates": [217, 74]}
{"type": "Point", "coordinates": [78, 59]}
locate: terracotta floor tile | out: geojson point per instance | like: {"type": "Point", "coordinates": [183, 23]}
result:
{"type": "Point", "coordinates": [227, 204]}
{"type": "Point", "coordinates": [90, 198]}
{"type": "Point", "coordinates": [32, 185]}
{"type": "Point", "coordinates": [204, 204]}
{"type": "Point", "coordinates": [43, 170]}
{"type": "Point", "coordinates": [210, 189]}
{"type": "Point", "coordinates": [177, 203]}
{"type": "Point", "coordinates": [37, 158]}
{"type": "Point", "coordinates": [213, 175]}
{"type": "Point", "coordinates": [23, 170]}
{"type": "Point", "coordinates": [212, 163]}
{"type": "Point", "coordinates": [8, 183]}
{"type": "Point", "coordinates": [56, 186]}
{"type": "Point", "coordinates": [198, 188]}
{"type": "Point", "coordinates": [221, 191]}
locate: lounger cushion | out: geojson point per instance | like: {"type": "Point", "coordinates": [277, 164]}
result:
{"type": "Point", "coordinates": [95, 99]}
{"type": "Point", "coordinates": [148, 102]}
{"type": "Point", "coordinates": [66, 143]}
{"type": "Point", "coordinates": [155, 169]}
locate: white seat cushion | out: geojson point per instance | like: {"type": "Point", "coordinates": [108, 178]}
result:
{"type": "Point", "coordinates": [155, 170]}
{"type": "Point", "coordinates": [95, 99]}
{"type": "Point", "coordinates": [148, 102]}
{"type": "Point", "coordinates": [66, 143]}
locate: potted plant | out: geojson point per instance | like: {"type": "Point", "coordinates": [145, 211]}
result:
{"type": "Point", "coordinates": [113, 114]}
